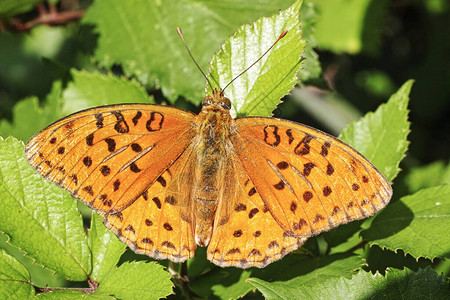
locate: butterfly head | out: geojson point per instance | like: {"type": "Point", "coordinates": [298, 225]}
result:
{"type": "Point", "coordinates": [217, 101]}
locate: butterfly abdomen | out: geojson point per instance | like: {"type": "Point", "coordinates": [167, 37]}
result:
{"type": "Point", "coordinates": [209, 171]}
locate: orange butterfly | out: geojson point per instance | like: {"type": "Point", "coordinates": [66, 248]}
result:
{"type": "Point", "coordinates": [165, 180]}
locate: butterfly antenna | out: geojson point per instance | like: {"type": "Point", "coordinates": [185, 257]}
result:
{"type": "Point", "coordinates": [189, 51]}
{"type": "Point", "coordinates": [279, 38]}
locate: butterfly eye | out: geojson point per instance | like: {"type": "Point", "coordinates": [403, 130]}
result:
{"type": "Point", "coordinates": [225, 103]}
{"type": "Point", "coordinates": [207, 101]}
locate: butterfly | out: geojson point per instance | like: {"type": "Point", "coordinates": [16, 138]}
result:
{"type": "Point", "coordinates": [251, 189]}
{"type": "Point", "coordinates": [165, 180]}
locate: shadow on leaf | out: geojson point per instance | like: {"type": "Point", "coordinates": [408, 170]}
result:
{"type": "Point", "coordinates": [393, 219]}
{"type": "Point", "coordinates": [231, 282]}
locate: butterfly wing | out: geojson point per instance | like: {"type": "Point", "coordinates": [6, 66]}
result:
{"type": "Point", "coordinates": [309, 181]}
{"type": "Point", "coordinates": [114, 156]}
{"type": "Point", "coordinates": [159, 223]}
{"type": "Point", "coordinates": [245, 234]}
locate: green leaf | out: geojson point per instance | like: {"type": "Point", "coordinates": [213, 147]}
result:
{"type": "Point", "coordinates": [10, 8]}
{"type": "Point", "coordinates": [86, 90]}
{"type": "Point", "coordinates": [433, 174]}
{"type": "Point", "coordinates": [30, 62]}
{"type": "Point", "coordinates": [258, 91]}
{"type": "Point", "coordinates": [235, 283]}
{"type": "Point", "coordinates": [141, 36]}
{"type": "Point", "coordinates": [311, 66]}
{"type": "Point", "coordinates": [94, 89]}
{"type": "Point", "coordinates": [397, 284]}
{"type": "Point", "coordinates": [54, 234]}
{"type": "Point", "coordinates": [319, 106]}
{"type": "Point", "coordinates": [382, 136]}
{"type": "Point", "coordinates": [419, 224]}
{"type": "Point", "coordinates": [374, 23]}
{"type": "Point", "coordinates": [66, 294]}
{"type": "Point", "coordinates": [344, 237]}
{"type": "Point", "coordinates": [345, 25]}
{"type": "Point", "coordinates": [375, 83]}
{"type": "Point", "coordinates": [39, 276]}
{"type": "Point", "coordinates": [14, 279]}
{"type": "Point", "coordinates": [106, 248]}
{"type": "Point", "coordinates": [28, 109]}
{"type": "Point", "coordinates": [137, 280]}
{"type": "Point", "coordinates": [406, 284]}
{"type": "Point", "coordinates": [437, 6]}
{"type": "Point", "coordinates": [222, 283]}
{"type": "Point", "coordinates": [199, 263]}
{"type": "Point", "coordinates": [316, 274]}
{"type": "Point", "coordinates": [379, 260]}
{"type": "Point", "coordinates": [343, 19]}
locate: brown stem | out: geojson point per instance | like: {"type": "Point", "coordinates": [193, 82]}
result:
{"type": "Point", "coordinates": [184, 272]}
{"type": "Point", "coordinates": [181, 280]}
{"type": "Point", "coordinates": [57, 18]}
{"type": "Point", "coordinates": [88, 290]}
{"type": "Point", "coordinates": [93, 285]}
{"type": "Point", "coordinates": [48, 17]}
{"type": "Point", "coordinates": [359, 246]}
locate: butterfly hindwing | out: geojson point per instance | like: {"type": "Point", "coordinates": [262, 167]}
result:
{"type": "Point", "coordinates": [245, 234]}
{"type": "Point", "coordinates": [160, 222]}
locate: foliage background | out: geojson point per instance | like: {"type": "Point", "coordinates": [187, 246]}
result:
{"type": "Point", "coordinates": [367, 49]}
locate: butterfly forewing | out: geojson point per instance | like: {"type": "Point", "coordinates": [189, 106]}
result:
{"type": "Point", "coordinates": [309, 181]}
{"type": "Point", "coordinates": [108, 156]}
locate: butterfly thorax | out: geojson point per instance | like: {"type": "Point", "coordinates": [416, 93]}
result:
{"type": "Point", "coordinates": [213, 141]}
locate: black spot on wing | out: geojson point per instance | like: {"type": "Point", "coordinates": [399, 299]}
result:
{"type": "Point", "coordinates": [136, 117]}
{"type": "Point", "coordinates": [240, 207]}
{"type": "Point", "coordinates": [157, 202]}
{"type": "Point", "coordinates": [307, 168]}
{"type": "Point", "coordinates": [105, 170]}
{"type": "Point", "coordinates": [111, 144]}
{"type": "Point", "coordinates": [155, 122]}
{"type": "Point", "coordinates": [99, 118]}
{"type": "Point", "coordinates": [282, 165]}
{"type": "Point", "coordinates": [134, 168]}
{"type": "Point", "coordinates": [121, 125]}
{"type": "Point", "coordinates": [87, 161]}
{"type": "Point", "coordinates": [253, 212]}
{"type": "Point", "coordinates": [136, 147]}
{"type": "Point", "coordinates": [307, 196]}
{"type": "Point", "coordinates": [271, 136]}
{"type": "Point", "coordinates": [290, 136]}
{"type": "Point", "coordinates": [303, 147]}
{"type": "Point", "coordinates": [90, 139]}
